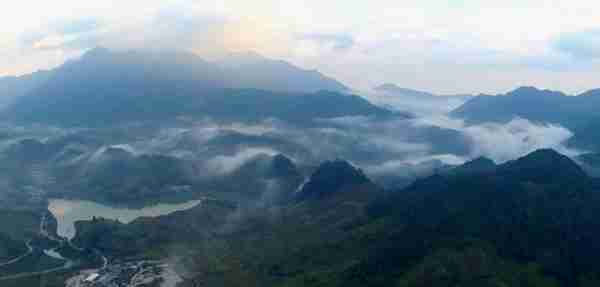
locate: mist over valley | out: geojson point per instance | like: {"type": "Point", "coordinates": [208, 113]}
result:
{"type": "Point", "coordinates": [177, 146]}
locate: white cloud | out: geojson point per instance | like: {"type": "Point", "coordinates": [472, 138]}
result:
{"type": "Point", "coordinates": [504, 142]}
{"type": "Point", "coordinates": [444, 46]}
{"type": "Point", "coordinates": [224, 164]}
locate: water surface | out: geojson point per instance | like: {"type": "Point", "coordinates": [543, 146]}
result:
{"type": "Point", "coordinates": [67, 212]}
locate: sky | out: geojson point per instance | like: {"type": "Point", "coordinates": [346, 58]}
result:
{"type": "Point", "coordinates": [449, 47]}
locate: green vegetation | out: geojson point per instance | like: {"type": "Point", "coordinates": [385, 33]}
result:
{"type": "Point", "coordinates": [19, 225]}
{"type": "Point", "coordinates": [35, 262]}
{"type": "Point", "coordinates": [473, 266]}
{"type": "Point", "coordinates": [526, 223]}
{"type": "Point", "coordinates": [55, 279]}
{"type": "Point", "coordinates": [16, 227]}
{"type": "Point", "coordinates": [129, 179]}
{"type": "Point", "coordinates": [10, 248]}
{"type": "Point", "coordinates": [530, 222]}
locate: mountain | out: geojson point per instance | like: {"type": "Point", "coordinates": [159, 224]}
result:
{"type": "Point", "coordinates": [262, 181]}
{"type": "Point", "coordinates": [104, 87]}
{"type": "Point", "coordinates": [537, 209]}
{"type": "Point", "coordinates": [393, 89]}
{"type": "Point", "coordinates": [27, 150]}
{"type": "Point", "coordinates": [251, 70]}
{"type": "Point", "coordinates": [590, 162]}
{"type": "Point", "coordinates": [120, 177]}
{"type": "Point", "coordinates": [13, 87]}
{"type": "Point", "coordinates": [489, 225]}
{"type": "Point", "coordinates": [257, 236]}
{"type": "Point", "coordinates": [479, 165]}
{"type": "Point", "coordinates": [532, 104]}
{"type": "Point", "coordinates": [416, 101]}
{"type": "Point", "coordinates": [330, 178]}
{"type": "Point", "coordinates": [281, 166]}
{"type": "Point", "coordinates": [587, 136]}
{"type": "Point", "coordinates": [544, 166]}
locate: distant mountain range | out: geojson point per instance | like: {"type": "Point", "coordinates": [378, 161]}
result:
{"type": "Point", "coordinates": [104, 87]}
{"type": "Point", "coordinates": [13, 87]}
{"type": "Point", "coordinates": [587, 136]}
{"type": "Point", "coordinates": [397, 90]}
{"type": "Point", "coordinates": [533, 104]}
{"type": "Point", "coordinates": [251, 70]}
{"type": "Point", "coordinates": [419, 102]}
{"type": "Point", "coordinates": [577, 113]}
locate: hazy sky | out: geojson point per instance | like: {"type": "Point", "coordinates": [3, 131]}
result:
{"type": "Point", "coordinates": [451, 46]}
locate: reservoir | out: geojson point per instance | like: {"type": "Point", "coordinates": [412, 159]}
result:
{"type": "Point", "coordinates": [67, 212]}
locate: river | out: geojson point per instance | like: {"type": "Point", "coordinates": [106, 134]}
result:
{"type": "Point", "coordinates": [67, 212]}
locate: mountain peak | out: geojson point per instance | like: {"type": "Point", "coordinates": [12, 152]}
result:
{"type": "Point", "coordinates": [282, 161]}
{"type": "Point", "coordinates": [331, 177]}
{"type": "Point", "coordinates": [393, 88]}
{"type": "Point", "coordinates": [530, 91]}
{"type": "Point", "coordinates": [476, 166]}
{"type": "Point", "coordinates": [544, 155]}
{"type": "Point", "coordinates": [482, 160]}
{"type": "Point", "coordinates": [523, 89]}
{"type": "Point", "coordinates": [544, 166]}
{"type": "Point", "coordinates": [282, 166]}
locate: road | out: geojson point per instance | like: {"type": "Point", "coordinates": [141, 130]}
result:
{"type": "Point", "coordinates": [67, 266]}
{"type": "Point", "coordinates": [15, 260]}
{"type": "Point", "coordinates": [43, 232]}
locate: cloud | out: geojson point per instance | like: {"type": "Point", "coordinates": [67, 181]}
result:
{"type": "Point", "coordinates": [337, 42]}
{"type": "Point", "coordinates": [504, 142]}
{"type": "Point", "coordinates": [64, 34]}
{"type": "Point", "coordinates": [429, 48]}
{"type": "Point", "coordinates": [417, 105]}
{"type": "Point", "coordinates": [582, 45]}
{"type": "Point", "coordinates": [224, 164]}
{"type": "Point", "coordinates": [78, 26]}
{"type": "Point", "coordinates": [414, 166]}
{"type": "Point", "coordinates": [169, 28]}
{"type": "Point", "coordinates": [370, 134]}
{"type": "Point", "coordinates": [393, 151]}
{"type": "Point", "coordinates": [175, 27]}
{"type": "Point", "coordinates": [99, 154]}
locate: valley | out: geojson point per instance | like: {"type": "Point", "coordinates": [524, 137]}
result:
{"type": "Point", "coordinates": [161, 169]}
{"type": "Point", "coordinates": [53, 251]}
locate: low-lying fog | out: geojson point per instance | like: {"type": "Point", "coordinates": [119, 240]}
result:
{"type": "Point", "coordinates": [392, 151]}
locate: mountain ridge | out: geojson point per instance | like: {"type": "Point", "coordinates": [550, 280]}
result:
{"type": "Point", "coordinates": [395, 89]}
{"type": "Point", "coordinates": [477, 229]}
{"type": "Point", "coordinates": [104, 87]}
{"type": "Point", "coordinates": [532, 104]}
